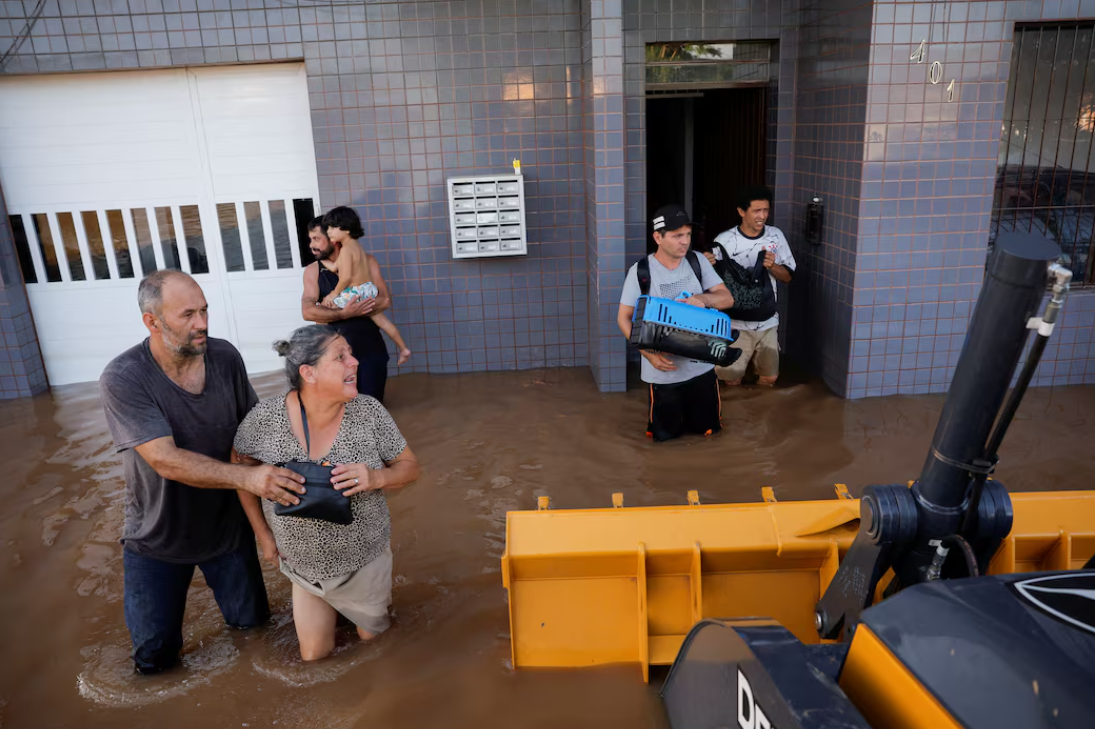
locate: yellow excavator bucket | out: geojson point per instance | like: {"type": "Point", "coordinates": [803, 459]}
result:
{"type": "Point", "coordinates": [625, 585]}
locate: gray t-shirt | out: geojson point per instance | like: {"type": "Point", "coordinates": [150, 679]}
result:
{"type": "Point", "coordinates": [668, 284]}
{"type": "Point", "coordinates": [166, 519]}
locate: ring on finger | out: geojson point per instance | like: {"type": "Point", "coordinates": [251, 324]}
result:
{"type": "Point", "coordinates": [355, 482]}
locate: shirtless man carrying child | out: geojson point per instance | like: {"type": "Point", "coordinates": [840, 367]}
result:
{"type": "Point", "coordinates": [352, 266]}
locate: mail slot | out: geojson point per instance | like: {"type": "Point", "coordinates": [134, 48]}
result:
{"type": "Point", "coordinates": [511, 245]}
{"type": "Point", "coordinates": [485, 188]}
{"type": "Point", "coordinates": [465, 219]}
{"type": "Point", "coordinates": [511, 231]}
{"type": "Point", "coordinates": [509, 203]}
{"type": "Point", "coordinates": [488, 233]}
{"type": "Point", "coordinates": [463, 205]}
{"type": "Point", "coordinates": [486, 218]}
{"type": "Point", "coordinates": [486, 203]}
{"type": "Point", "coordinates": [508, 187]}
{"type": "Point", "coordinates": [467, 247]}
{"type": "Point", "coordinates": [465, 233]}
{"type": "Point", "coordinates": [462, 189]}
{"type": "Point", "coordinates": [488, 247]}
{"type": "Point", "coordinates": [509, 217]}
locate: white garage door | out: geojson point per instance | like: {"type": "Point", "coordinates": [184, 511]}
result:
{"type": "Point", "coordinates": [109, 176]}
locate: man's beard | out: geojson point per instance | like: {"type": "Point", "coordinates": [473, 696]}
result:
{"type": "Point", "coordinates": [187, 348]}
{"type": "Point", "coordinates": [324, 254]}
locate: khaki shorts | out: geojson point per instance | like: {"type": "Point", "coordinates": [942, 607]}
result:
{"type": "Point", "coordinates": [760, 347]}
{"type": "Point", "coordinates": [362, 596]}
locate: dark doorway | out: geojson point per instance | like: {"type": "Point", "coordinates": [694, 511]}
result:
{"type": "Point", "coordinates": [701, 148]}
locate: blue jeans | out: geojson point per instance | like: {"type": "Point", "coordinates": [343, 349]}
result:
{"type": "Point", "coordinates": [155, 600]}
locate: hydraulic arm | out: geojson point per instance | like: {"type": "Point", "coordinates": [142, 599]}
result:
{"type": "Point", "coordinates": [953, 519]}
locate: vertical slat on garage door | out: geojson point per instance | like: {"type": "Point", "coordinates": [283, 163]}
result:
{"type": "Point", "coordinates": [294, 224]}
{"type": "Point", "coordinates": [181, 249]}
{"type": "Point", "coordinates": [134, 249]}
{"type": "Point", "coordinates": [268, 234]}
{"type": "Point", "coordinates": [245, 238]}
{"type": "Point", "coordinates": [154, 234]}
{"type": "Point", "coordinates": [108, 244]}
{"type": "Point", "coordinates": [59, 247]}
{"type": "Point", "coordinates": [35, 247]}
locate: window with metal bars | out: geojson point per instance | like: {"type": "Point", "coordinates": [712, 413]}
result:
{"type": "Point", "coordinates": [1044, 179]}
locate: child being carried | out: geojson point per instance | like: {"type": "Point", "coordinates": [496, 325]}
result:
{"type": "Point", "coordinates": [353, 266]}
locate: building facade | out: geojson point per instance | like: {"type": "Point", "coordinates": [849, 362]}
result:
{"type": "Point", "coordinates": [889, 113]}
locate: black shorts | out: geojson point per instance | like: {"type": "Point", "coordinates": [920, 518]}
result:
{"type": "Point", "coordinates": [372, 374]}
{"type": "Point", "coordinates": [693, 406]}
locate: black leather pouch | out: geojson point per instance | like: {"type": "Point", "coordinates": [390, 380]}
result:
{"type": "Point", "coordinates": [321, 499]}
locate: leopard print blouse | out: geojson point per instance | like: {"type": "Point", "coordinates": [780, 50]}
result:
{"type": "Point", "coordinates": [320, 550]}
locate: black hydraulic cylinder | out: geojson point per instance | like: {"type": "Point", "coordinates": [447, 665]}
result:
{"type": "Point", "coordinates": [1013, 288]}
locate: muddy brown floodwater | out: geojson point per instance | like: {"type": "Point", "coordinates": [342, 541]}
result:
{"type": "Point", "coordinates": [488, 443]}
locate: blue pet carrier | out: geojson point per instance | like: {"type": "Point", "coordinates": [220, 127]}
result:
{"type": "Point", "coordinates": [673, 327]}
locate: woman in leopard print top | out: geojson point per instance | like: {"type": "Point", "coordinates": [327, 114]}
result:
{"type": "Point", "coordinates": [333, 567]}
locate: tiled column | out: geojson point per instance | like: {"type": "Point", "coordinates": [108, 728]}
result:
{"type": "Point", "coordinates": [927, 195]}
{"type": "Point", "coordinates": [602, 56]}
{"type": "Point", "coordinates": [22, 373]}
{"type": "Point", "coordinates": [831, 93]}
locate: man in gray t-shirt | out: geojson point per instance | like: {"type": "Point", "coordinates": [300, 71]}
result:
{"type": "Point", "coordinates": [173, 403]}
{"type": "Point", "coordinates": [684, 393]}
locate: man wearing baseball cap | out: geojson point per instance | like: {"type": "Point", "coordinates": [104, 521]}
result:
{"type": "Point", "coordinates": [684, 393]}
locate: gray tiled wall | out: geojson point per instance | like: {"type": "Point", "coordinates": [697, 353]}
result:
{"type": "Point", "coordinates": [408, 94]}
{"type": "Point", "coordinates": [21, 370]}
{"type": "Point", "coordinates": [602, 67]}
{"type": "Point", "coordinates": [927, 189]}
{"type": "Point", "coordinates": [831, 95]}
{"type": "Point", "coordinates": [403, 95]}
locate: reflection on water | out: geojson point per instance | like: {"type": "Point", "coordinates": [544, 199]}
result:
{"type": "Point", "coordinates": [489, 444]}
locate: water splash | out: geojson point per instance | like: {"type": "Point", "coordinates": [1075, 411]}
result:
{"type": "Point", "coordinates": [109, 679]}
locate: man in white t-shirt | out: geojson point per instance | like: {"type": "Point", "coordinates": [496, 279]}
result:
{"type": "Point", "coordinates": [758, 339]}
{"type": "Point", "coordinates": [684, 394]}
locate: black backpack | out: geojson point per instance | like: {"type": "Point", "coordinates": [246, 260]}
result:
{"type": "Point", "coordinates": [754, 299]}
{"type": "Point", "coordinates": [642, 269]}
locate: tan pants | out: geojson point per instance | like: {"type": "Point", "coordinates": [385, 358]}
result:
{"type": "Point", "coordinates": [362, 596]}
{"type": "Point", "coordinates": [762, 348]}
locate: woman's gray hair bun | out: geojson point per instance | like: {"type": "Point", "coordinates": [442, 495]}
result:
{"type": "Point", "coordinates": [305, 346]}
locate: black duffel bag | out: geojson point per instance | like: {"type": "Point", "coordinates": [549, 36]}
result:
{"type": "Point", "coordinates": [754, 299]}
